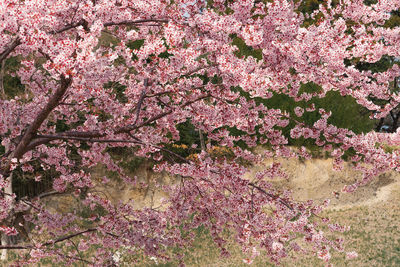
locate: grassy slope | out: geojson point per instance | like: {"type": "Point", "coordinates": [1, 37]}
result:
{"type": "Point", "coordinates": [374, 234]}
{"type": "Point", "coordinates": [372, 213]}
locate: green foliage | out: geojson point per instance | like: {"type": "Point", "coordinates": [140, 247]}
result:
{"type": "Point", "coordinates": [137, 44]}
{"type": "Point", "coordinates": [382, 65]}
{"type": "Point", "coordinates": [86, 212]}
{"type": "Point", "coordinates": [245, 50]}
{"type": "Point", "coordinates": [126, 159]}
{"type": "Point", "coordinates": [394, 20]}
{"type": "Point", "coordinates": [188, 136]}
{"type": "Point", "coordinates": [346, 113]}
{"type": "Point", "coordinates": [370, 2]}
{"type": "Point", "coordinates": [119, 91]}
{"type": "Point", "coordinates": [12, 83]}
{"type": "Point", "coordinates": [2, 149]}
{"type": "Point", "coordinates": [61, 126]}
{"type": "Point", "coordinates": [309, 6]}
{"type": "Point", "coordinates": [24, 184]}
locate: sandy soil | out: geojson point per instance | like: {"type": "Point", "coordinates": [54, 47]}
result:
{"type": "Point", "coordinates": [311, 179]}
{"type": "Point", "coordinates": [315, 179]}
{"type": "Point", "coordinates": [372, 211]}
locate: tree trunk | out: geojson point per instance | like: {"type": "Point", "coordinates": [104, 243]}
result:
{"type": "Point", "coordinates": [395, 121]}
{"type": "Point", "coordinates": [8, 192]}
{"type": "Point", "coordinates": [8, 189]}
{"type": "Point", "coordinates": [2, 91]}
{"type": "Point", "coordinates": [4, 238]}
{"type": "Point", "coordinates": [380, 124]}
{"type": "Point", "coordinates": [202, 145]}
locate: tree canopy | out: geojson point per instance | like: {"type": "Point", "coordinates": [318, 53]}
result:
{"type": "Point", "coordinates": [87, 78]}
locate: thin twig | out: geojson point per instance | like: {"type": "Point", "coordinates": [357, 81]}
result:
{"type": "Point", "coordinates": [134, 22]}
{"type": "Point", "coordinates": [274, 197]}
{"type": "Point", "coordinates": [48, 243]}
{"type": "Point", "coordinates": [83, 139]}
{"type": "Point", "coordinates": [141, 98]}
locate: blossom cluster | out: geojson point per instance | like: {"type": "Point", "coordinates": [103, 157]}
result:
{"type": "Point", "coordinates": [102, 75]}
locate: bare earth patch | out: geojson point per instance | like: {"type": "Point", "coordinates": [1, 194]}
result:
{"type": "Point", "coordinates": [372, 212]}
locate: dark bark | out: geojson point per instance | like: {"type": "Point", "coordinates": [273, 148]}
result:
{"type": "Point", "coordinates": [134, 22]}
{"type": "Point", "coordinates": [9, 49]}
{"type": "Point", "coordinates": [92, 135]}
{"type": "Point", "coordinates": [395, 118]}
{"type": "Point", "coordinates": [380, 124]}
{"type": "Point", "coordinates": [30, 132]}
{"type": "Point", "coordinates": [48, 243]}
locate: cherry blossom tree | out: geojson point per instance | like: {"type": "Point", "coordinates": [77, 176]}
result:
{"type": "Point", "coordinates": [173, 62]}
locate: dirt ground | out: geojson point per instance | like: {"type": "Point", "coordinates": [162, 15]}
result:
{"type": "Point", "coordinates": [372, 212]}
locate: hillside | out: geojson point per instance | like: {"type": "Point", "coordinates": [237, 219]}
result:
{"type": "Point", "coordinates": [372, 213]}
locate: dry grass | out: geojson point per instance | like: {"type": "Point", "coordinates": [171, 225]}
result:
{"type": "Point", "coordinates": [372, 213]}
{"type": "Point", "coordinates": [374, 234]}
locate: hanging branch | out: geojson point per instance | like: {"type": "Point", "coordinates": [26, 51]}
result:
{"type": "Point", "coordinates": [40, 117]}
{"type": "Point", "coordinates": [48, 243]}
{"type": "Point", "coordinates": [141, 98]}
{"type": "Point", "coordinates": [9, 49]}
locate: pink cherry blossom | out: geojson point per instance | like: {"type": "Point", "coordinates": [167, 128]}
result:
{"type": "Point", "coordinates": [106, 75]}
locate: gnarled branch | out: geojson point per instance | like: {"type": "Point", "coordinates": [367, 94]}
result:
{"type": "Point", "coordinates": [9, 49]}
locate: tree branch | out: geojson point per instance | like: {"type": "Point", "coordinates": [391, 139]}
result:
{"type": "Point", "coordinates": [9, 49]}
{"type": "Point", "coordinates": [68, 237]}
{"type": "Point", "coordinates": [75, 258]}
{"type": "Point", "coordinates": [2, 70]}
{"type": "Point", "coordinates": [274, 197]}
{"type": "Point", "coordinates": [140, 102]}
{"type": "Point", "coordinates": [159, 94]}
{"type": "Point", "coordinates": [93, 135]}
{"type": "Point", "coordinates": [134, 22]}
{"type": "Point", "coordinates": [43, 114]}
{"type": "Point", "coordinates": [69, 27]}
{"type": "Point", "coordinates": [159, 116]}
{"type": "Point", "coordinates": [83, 139]}
{"type": "Point", "coordinates": [48, 194]}
{"type": "Point", "coordinates": [48, 243]}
